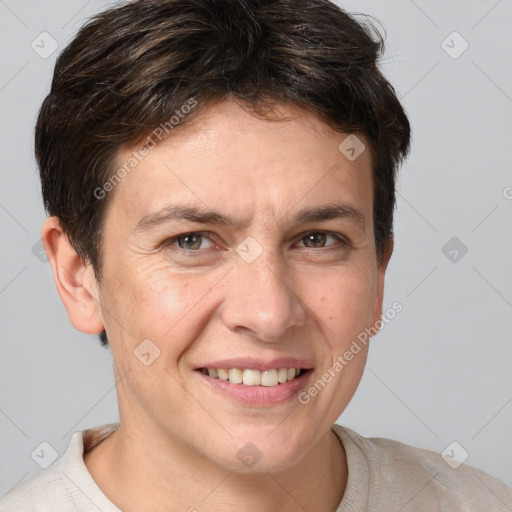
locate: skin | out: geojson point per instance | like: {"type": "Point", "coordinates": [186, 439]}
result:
{"type": "Point", "coordinates": [177, 444]}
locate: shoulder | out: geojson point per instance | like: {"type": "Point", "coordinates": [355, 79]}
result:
{"type": "Point", "coordinates": [406, 475]}
{"type": "Point", "coordinates": [42, 492]}
{"type": "Point", "coordinates": [66, 485]}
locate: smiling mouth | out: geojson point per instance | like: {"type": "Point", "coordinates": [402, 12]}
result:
{"type": "Point", "coordinates": [250, 377]}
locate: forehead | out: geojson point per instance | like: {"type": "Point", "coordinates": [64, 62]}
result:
{"type": "Point", "coordinates": [228, 160]}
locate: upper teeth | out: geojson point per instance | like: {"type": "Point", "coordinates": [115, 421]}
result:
{"type": "Point", "coordinates": [251, 377]}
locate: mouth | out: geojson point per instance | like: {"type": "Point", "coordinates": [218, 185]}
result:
{"type": "Point", "coordinates": [256, 388]}
{"type": "Point", "coordinates": [251, 377]}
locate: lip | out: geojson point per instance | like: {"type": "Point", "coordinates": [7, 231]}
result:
{"type": "Point", "coordinates": [257, 396]}
{"type": "Point", "coordinates": [257, 364]}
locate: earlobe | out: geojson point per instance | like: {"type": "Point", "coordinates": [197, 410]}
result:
{"type": "Point", "coordinates": [73, 278]}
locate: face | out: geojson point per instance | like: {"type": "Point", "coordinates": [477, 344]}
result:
{"type": "Point", "coordinates": [282, 275]}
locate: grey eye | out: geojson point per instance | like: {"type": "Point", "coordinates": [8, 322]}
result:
{"type": "Point", "coordinates": [191, 241]}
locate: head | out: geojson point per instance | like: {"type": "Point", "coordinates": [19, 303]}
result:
{"type": "Point", "coordinates": [266, 133]}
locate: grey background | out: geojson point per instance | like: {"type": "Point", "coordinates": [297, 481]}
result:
{"type": "Point", "coordinates": [439, 372]}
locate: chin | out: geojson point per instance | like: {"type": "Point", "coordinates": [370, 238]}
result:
{"type": "Point", "coordinates": [262, 452]}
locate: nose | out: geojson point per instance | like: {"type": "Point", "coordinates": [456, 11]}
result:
{"type": "Point", "coordinates": [261, 301]}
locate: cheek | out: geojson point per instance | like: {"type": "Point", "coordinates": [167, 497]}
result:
{"type": "Point", "coordinates": [344, 303]}
{"type": "Point", "coordinates": [152, 301]}
{"type": "Point", "coordinates": [157, 303]}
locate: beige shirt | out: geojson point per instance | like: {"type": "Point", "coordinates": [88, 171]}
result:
{"type": "Point", "coordinates": [383, 476]}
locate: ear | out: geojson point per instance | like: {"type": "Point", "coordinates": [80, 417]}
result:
{"type": "Point", "coordinates": [75, 280]}
{"type": "Point", "coordinates": [381, 272]}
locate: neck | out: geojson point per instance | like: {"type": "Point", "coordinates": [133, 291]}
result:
{"type": "Point", "coordinates": [134, 471]}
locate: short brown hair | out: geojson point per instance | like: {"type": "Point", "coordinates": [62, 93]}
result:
{"type": "Point", "coordinates": [131, 67]}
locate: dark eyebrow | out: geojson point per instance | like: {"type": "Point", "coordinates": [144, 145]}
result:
{"type": "Point", "coordinates": [192, 214]}
{"type": "Point", "coordinates": [330, 211]}
{"type": "Point", "coordinates": [312, 214]}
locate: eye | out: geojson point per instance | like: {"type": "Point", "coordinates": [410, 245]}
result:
{"type": "Point", "coordinates": [317, 239]}
{"type": "Point", "coordinates": [189, 241]}
{"type": "Point", "coordinates": [193, 242]}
